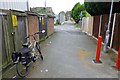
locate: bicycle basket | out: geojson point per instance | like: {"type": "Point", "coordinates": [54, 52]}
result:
{"type": "Point", "coordinates": [25, 55]}
{"type": "Point", "coordinates": [24, 50]}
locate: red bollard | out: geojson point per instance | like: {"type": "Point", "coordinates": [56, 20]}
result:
{"type": "Point", "coordinates": [97, 60]}
{"type": "Point", "coordinates": [118, 60]}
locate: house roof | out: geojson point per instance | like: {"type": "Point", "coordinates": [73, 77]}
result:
{"type": "Point", "coordinates": [32, 13]}
{"type": "Point", "coordinates": [43, 10]}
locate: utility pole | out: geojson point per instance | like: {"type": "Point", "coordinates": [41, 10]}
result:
{"type": "Point", "coordinates": [45, 3]}
{"type": "Point", "coordinates": [27, 5]}
{"type": "Point", "coordinates": [45, 7]}
{"type": "Point", "coordinates": [108, 30]}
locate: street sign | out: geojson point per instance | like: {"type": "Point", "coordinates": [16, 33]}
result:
{"type": "Point", "coordinates": [81, 15]}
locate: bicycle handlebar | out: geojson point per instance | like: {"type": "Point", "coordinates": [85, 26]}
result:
{"type": "Point", "coordinates": [43, 31]}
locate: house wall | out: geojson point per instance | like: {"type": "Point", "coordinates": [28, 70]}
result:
{"type": "Point", "coordinates": [61, 17]}
{"type": "Point", "coordinates": [68, 16]}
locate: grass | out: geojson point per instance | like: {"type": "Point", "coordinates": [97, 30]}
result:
{"type": "Point", "coordinates": [112, 55]}
{"type": "Point", "coordinates": [77, 26]}
{"type": "Point", "coordinates": [43, 39]}
{"type": "Point", "coordinates": [56, 24]}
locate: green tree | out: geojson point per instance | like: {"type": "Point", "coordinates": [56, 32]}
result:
{"type": "Point", "coordinates": [76, 10]}
{"type": "Point", "coordinates": [98, 8]}
{"type": "Point", "coordinates": [85, 13]}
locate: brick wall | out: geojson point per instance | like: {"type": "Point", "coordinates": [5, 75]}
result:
{"type": "Point", "coordinates": [33, 25]}
{"type": "Point", "coordinates": [50, 25]}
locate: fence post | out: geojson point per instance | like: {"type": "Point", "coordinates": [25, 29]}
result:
{"type": "Point", "coordinates": [92, 25]}
{"type": "Point", "coordinates": [100, 25]}
{"type": "Point", "coordinates": [113, 30]}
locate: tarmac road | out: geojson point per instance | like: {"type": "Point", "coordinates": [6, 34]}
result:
{"type": "Point", "coordinates": [69, 53]}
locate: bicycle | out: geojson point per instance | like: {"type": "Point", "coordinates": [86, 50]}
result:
{"type": "Point", "coordinates": [26, 55]}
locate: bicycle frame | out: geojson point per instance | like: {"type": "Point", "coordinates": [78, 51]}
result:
{"type": "Point", "coordinates": [25, 55]}
{"type": "Point", "coordinates": [32, 45]}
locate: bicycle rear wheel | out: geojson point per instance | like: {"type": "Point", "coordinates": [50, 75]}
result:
{"type": "Point", "coordinates": [22, 70]}
{"type": "Point", "coordinates": [39, 50]}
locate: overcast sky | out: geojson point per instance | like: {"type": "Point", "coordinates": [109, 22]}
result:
{"type": "Point", "coordinates": [57, 5]}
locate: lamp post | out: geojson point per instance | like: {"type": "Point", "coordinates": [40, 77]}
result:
{"type": "Point", "coordinates": [108, 30]}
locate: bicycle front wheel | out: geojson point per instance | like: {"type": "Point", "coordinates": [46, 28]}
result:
{"type": "Point", "coordinates": [21, 69]}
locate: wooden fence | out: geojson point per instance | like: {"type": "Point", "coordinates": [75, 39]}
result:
{"type": "Point", "coordinates": [100, 27]}
{"type": "Point", "coordinates": [116, 33]}
{"type": "Point", "coordinates": [96, 21]}
{"type": "Point", "coordinates": [87, 25]}
{"type": "Point", "coordinates": [6, 36]}
{"type": "Point", "coordinates": [28, 23]}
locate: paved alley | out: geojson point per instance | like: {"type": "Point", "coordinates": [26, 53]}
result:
{"type": "Point", "coordinates": [69, 53]}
